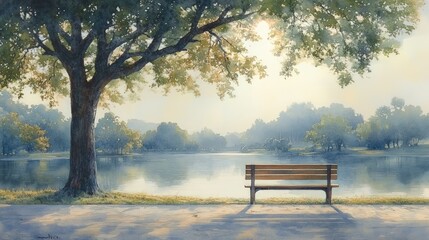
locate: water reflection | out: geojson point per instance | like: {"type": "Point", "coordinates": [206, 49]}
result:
{"type": "Point", "coordinates": [222, 175]}
{"type": "Point", "coordinates": [32, 174]}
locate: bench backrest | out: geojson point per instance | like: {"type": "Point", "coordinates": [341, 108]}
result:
{"type": "Point", "coordinates": [292, 172]}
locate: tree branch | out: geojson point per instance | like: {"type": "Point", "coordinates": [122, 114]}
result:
{"type": "Point", "coordinates": [45, 48]}
{"type": "Point", "coordinates": [86, 42]}
{"type": "Point", "coordinates": [61, 52]}
{"type": "Point", "coordinates": [76, 35]}
{"type": "Point", "coordinates": [116, 42]}
{"type": "Point", "coordinates": [150, 54]}
{"type": "Point", "coordinates": [225, 56]}
{"type": "Point", "coordinates": [198, 14]}
{"type": "Point", "coordinates": [64, 34]}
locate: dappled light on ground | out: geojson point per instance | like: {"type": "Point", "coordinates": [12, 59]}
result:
{"type": "Point", "coordinates": [214, 222]}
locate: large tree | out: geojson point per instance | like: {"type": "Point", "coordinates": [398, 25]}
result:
{"type": "Point", "coordinates": [86, 47]}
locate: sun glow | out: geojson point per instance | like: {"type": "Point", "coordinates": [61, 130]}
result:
{"type": "Point", "coordinates": [262, 28]}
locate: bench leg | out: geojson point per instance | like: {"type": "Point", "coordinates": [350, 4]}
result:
{"type": "Point", "coordinates": [328, 192]}
{"type": "Point", "coordinates": [252, 195]}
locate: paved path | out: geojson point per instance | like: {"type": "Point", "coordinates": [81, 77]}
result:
{"type": "Point", "coordinates": [214, 222]}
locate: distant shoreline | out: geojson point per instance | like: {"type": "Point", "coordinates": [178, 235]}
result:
{"type": "Point", "coordinates": [417, 151]}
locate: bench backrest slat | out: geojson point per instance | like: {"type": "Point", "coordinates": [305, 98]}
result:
{"type": "Point", "coordinates": [293, 172]}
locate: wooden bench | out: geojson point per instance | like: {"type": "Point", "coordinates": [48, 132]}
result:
{"type": "Point", "coordinates": [327, 172]}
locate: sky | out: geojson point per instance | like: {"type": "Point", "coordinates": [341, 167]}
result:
{"type": "Point", "coordinates": [405, 75]}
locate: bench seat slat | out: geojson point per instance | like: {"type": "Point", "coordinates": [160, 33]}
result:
{"type": "Point", "coordinates": [293, 166]}
{"type": "Point", "coordinates": [291, 177]}
{"type": "Point", "coordinates": [292, 187]}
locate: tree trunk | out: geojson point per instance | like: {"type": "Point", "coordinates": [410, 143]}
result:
{"type": "Point", "coordinates": [83, 166]}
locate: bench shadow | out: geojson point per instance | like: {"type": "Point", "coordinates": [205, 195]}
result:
{"type": "Point", "coordinates": [263, 224]}
{"type": "Point", "coordinates": [337, 216]}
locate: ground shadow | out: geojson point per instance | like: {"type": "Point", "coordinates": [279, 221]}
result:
{"type": "Point", "coordinates": [259, 224]}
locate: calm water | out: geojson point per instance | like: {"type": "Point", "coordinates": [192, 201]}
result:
{"type": "Point", "coordinates": [222, 174]}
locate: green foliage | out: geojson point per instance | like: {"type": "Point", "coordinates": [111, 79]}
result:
{"type": "Point", "coordinates": [172, 44]}
{"type": "Point", "coordinates": [331, 132]}
{"type": "Point", "coordinates": [336, 109]}
{"type": "Point", "coordinates": [55, 126]}
{"type": "Point", "coordinates": [10, 129]}
{"type": "Point", "coordinates": [113, 136]}
{"type": "Point", "coordinates": [52, 121]}
{"type": "Point", "coordinates": [207, 140]}
{"type": "Point", "coordinates": [278, 145]}
{"type": "Point", "coordinates": [345, 36]}
{"type": "Point", "coordinates": [33, 138]}
{"type": "Point", "coordinates": [397, 125]}
{"type": "Point", "coordinates": [168, 137]}
{"type": "Point", "coordinates": [372, 133]}
{"type": "Point", "coordinates": [294, 123]}
{"type": "Point", "coordinates": [15, 134]}
{"type": "Point", "coordinates": [256, 135]}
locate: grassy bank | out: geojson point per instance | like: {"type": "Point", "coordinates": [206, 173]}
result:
{"type": "Point", "coordinates": [50, 197]}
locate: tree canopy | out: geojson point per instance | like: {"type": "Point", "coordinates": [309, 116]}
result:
{"type": "Point", "coordinates": [44, 44]}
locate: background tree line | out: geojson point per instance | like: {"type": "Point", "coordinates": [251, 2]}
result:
{"type": "Point", "coordinates": [37, 128]}
{"type": "Point", "coordinates": [119, 137]}
{"type": "Point", "coordinates": [302, 125]}
{"type": "Point", "coordinates": [31, 128]}
{"type": "Point", "coordinates": [335, 127]}
{"type": "Point", "coordinates": [394, 126]}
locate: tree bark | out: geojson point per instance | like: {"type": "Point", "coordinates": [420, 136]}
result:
{"type": "Point", "coordinates": [83, 166]}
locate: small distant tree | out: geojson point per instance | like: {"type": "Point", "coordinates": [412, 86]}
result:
{"type": "Point", "coordinates": [234, 140]}
{"type": "Point", "coordinates": [255, 136]}
{"type": "Point", "coordinates": [296, 121]}
{"type": "Point", "coordinates": [372, 133]}
{"type": "Point", "coordinates": [167, 137]}
{"type": "Point", "coordinates": [9, 133]}
{"type": "Point", "coordinates": [207, 140]}
{"type": "Point", "coordinates": [57, 127]}
{"type": "Point", "coordinates": [33, 138]}
{"type": "Point", "coordinates": [331, 132]}
{"type": "Point", "coordinates": [277, 145]}
{"type": "Point", "coordinates": [336, 109]}
{"type": "Point", "coordinates": [113, 136]}
{"type": "Point", "coordinates": [15, 135]}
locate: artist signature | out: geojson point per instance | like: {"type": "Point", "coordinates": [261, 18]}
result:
{"type": "Point", "coordinates": [49, 236]}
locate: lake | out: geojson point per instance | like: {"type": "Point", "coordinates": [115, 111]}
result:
{"type": "Point", "coordinates": [222, 174]}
